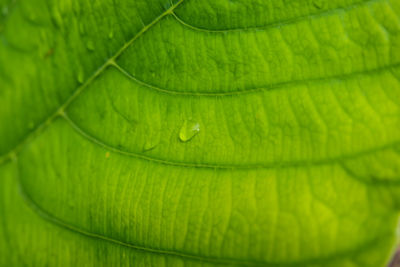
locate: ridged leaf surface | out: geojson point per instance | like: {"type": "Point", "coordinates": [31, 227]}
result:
{"type": "Point", "coordinates": [199, 132]}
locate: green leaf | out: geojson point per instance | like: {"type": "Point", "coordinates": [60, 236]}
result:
{"type": "Point", "coordinates": [199, 133]}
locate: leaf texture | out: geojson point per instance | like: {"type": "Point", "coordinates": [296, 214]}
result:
{"type": "Point", "coordinates": [199, 133]}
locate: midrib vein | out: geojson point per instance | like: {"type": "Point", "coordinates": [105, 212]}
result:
{"type": "Point", "coordinates": [60, 110]}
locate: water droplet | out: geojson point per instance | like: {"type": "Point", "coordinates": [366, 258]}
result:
{"type": "Point", "coordinates": [150, 144]}
{"type": "Point", "coordinates": [319, 4]}
{"type": "Point", "coordinates": [71, 204]}
{"type": "Point", "coordinates": [188, 130]}
{"type": "Point", "coordinates": [167, 5]}
{"type": "Point", "coordinates": [90, 45]}
{"type": "Point", "coordinates": [32, 17]}
{"type": "Point", "coordinates": [81, 28]}
{"type": "Point", "coordinates": [81, 76]}
{"type": "Point", "coordinates": [56, 17]}
{"type": "Point", "coordinates": [4, 10]}
{"type": "Point", "coordinates": [111, 35]}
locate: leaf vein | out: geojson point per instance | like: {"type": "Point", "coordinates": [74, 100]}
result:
{"type": "Point", "coordinates": [78, 91]}
{"type": "Point", "coordinates": [276, 86]}
{"type": "Point", "coordinates": [294, 163]}
{"type": "Point", "coordinates": [46, 216]}
{"type": "Point", "coordinates": [274, 24]}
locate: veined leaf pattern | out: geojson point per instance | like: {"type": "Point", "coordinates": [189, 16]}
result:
{"type": "Point", "coordinates": [199, 133]}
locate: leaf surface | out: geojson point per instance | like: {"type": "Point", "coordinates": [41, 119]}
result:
{"type": "Point", "coordinates": [199, 133]}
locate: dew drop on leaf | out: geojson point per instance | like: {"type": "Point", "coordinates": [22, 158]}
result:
{"type": "Point", "coordinates": [81, 28]}
{"type": "Point", "coordinates": [150, 144]}
{"type": "Point", "coordinates": [90, 45]}
{"type": "Point", "coordinates": [81, 76]}
{"type": "Point", "coordinates": [32, 17]}
{"type": "Point", "coordinates": [71, 204]}
{"type": "Point", "coordinates": [56, 17]}
{"type": "Point", "coordinates": [4, 10]}
{"type": "Point", "coordinates": [188, 130]}
{"type": "Point", "coordinates": [31, 125]}
{"type": "Point", "coordinates": [319, 3]}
